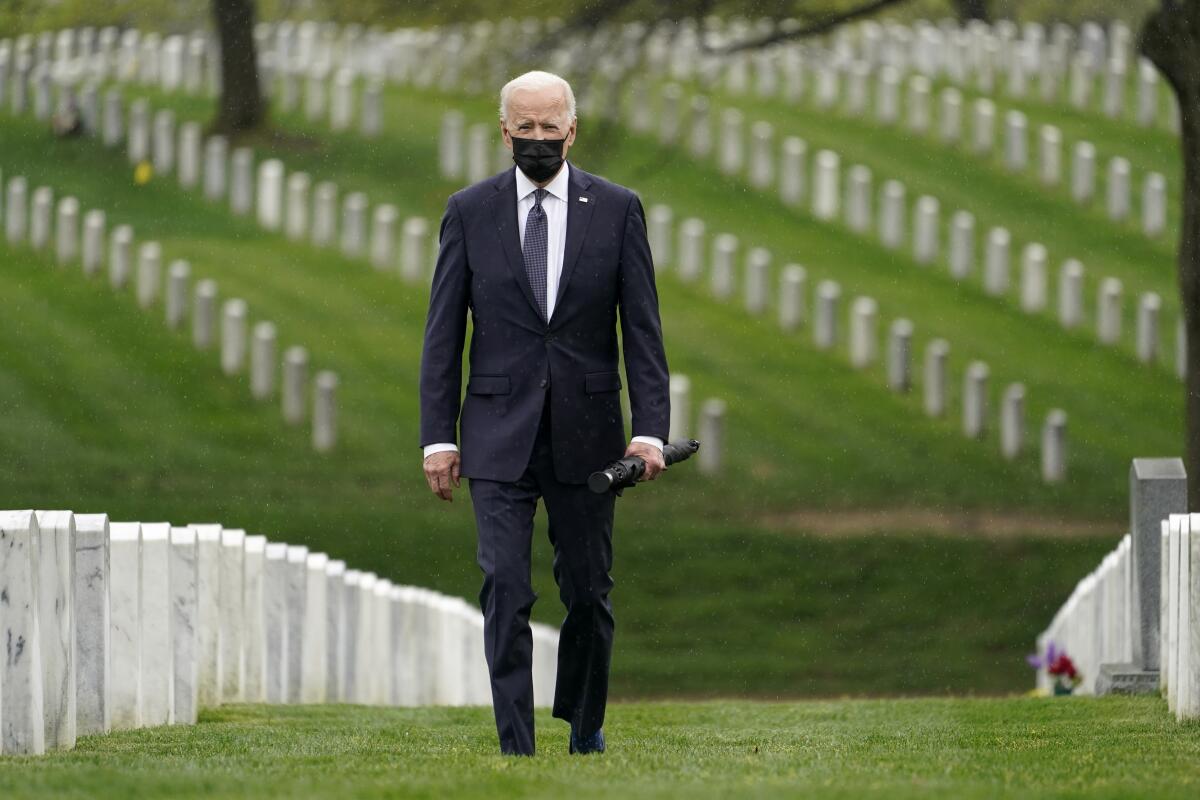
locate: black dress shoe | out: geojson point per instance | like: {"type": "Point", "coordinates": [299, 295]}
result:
{"type": "Point", "coordinates": [582, 745]}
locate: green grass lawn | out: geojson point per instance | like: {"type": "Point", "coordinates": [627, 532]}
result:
{"type": "Point", "coordinates": [1028, 748]}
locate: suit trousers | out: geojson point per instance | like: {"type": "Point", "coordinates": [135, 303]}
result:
{"type": "Point", "coordinates": [581, 525]}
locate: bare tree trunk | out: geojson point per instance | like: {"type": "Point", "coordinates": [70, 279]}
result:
{"type": "Point", "coordinates": [241, 107]}
{"type": "Point", "coordinates": [1171, 39]}
{"type": "Point", "coordinates": [973, 9]}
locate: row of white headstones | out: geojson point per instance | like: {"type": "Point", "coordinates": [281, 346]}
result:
{"type": "Point", "coordinates": [476, 153]}
{"type": "Point", "coordinates": [974, 56]}
{"type": "Point", "coordinates": [1069, 64]}
{"type": "Point", "coordinates": [850, 198]}
{"type": "Point", "coordinates": [473, 153]}
{"type": "Point", "coordinates": [685, 252]}
{"type": "Point", "coordinates": [919, 118]}
{"type": "Point", "coordinates": [156, 143]}
{"type": "Point", "coordinates": [943, 50]}
{"type": "Point", "coordinates": [1092, 626]}
{"type": "Point", "coordinates": [478, 156]}
{"type": "Point", "coordinates": [121, 625]}
{"type": "Point", "coordinates": [1133, 623]}
{"type": "Point", "coordinates": [153, 139]}
{"type": "Point", "coordinates": [34, 217]}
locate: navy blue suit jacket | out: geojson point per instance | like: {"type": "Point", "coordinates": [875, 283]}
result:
{"type": "Point", "coordinates": [517, 359]}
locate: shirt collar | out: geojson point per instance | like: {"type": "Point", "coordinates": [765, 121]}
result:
{"type": "Point", "coordinates": [556, 187]}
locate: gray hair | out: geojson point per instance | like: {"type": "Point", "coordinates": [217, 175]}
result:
{"type": "Point", "coordinates": [533, 81]}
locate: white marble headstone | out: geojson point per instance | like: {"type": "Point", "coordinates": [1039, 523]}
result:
{"type": "Point", "coordinates": [313, 651]}
{"type": "Point", "coordinates": [231, 609]}
{"type": "Point", "coordinates": [93, 671]}
{"type": "Point", "coordinates": [157, 642]}
{"type": "Point", "coordinates": [208, 630]}
{"type": "Point", "coordinates": [254, 641]}
{"type": "Point", "coordinates": [182, 569]}
{"type": "Point", "coordinates": [125, 565]}
{"type": "Point", "coordinates": [22, 718]}
{"type": "Point", "coordinates": [297, 600]}
{"type": "Point", "coordinates": [275, 622]}
{"type": "Point", "coordinates": [56, 621]}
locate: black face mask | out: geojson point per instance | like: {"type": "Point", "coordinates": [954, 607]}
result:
{"type": "Point", "coordinates": [539, 159]}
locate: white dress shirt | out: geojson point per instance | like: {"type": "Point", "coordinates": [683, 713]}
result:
{"type": "Point", "coordinates": [555, 206]}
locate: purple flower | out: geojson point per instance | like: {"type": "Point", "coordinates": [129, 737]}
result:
{"type": "Point", "coordinates": [1043, 661]}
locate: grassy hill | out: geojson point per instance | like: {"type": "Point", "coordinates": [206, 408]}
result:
{"type": "Point", "coordinates": [107, 410]}
{"type": "Point", "coordinates": [1114, 747]}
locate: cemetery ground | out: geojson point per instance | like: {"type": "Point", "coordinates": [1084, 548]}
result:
{"type": "Point", "coordinates": [963, 748]}
{"type": "Point", "coordinates": [105, 408]}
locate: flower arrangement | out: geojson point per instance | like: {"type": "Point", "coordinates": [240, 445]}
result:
{"type": "Point", "coordinates": [1059, 667]}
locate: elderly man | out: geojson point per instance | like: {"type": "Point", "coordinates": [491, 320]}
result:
{"type": "Point", "coordinates": [543, 257]}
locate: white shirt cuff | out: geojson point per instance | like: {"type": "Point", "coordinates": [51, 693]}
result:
{"type": "Point", "coordinates": [440, 447]}
{"type": "Point", "coordinates": [654, 440]}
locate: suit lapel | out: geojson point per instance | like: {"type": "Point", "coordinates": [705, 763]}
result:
{"type": "Point", "coordinates": [579, 214]}
{"type": "Point", "coordinates": [504, 212]}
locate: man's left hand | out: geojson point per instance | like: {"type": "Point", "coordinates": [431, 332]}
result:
{"type": "Point", "coordinates": [651, 455]}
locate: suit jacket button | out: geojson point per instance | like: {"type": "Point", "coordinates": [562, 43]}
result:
{"type": "Point", "coordinates": [542, 383]}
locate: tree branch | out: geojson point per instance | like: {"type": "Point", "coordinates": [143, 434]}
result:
{"type": "Point", "coordinates": [820, 26]}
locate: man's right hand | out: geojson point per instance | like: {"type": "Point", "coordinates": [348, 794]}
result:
{"type": "Point", "coordinates": [441, 472]}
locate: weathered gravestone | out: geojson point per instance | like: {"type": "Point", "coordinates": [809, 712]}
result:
{"type": "Point", "coordinates": [22, 721]}
{"type": "Point", "coordinates": [55, 559]}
